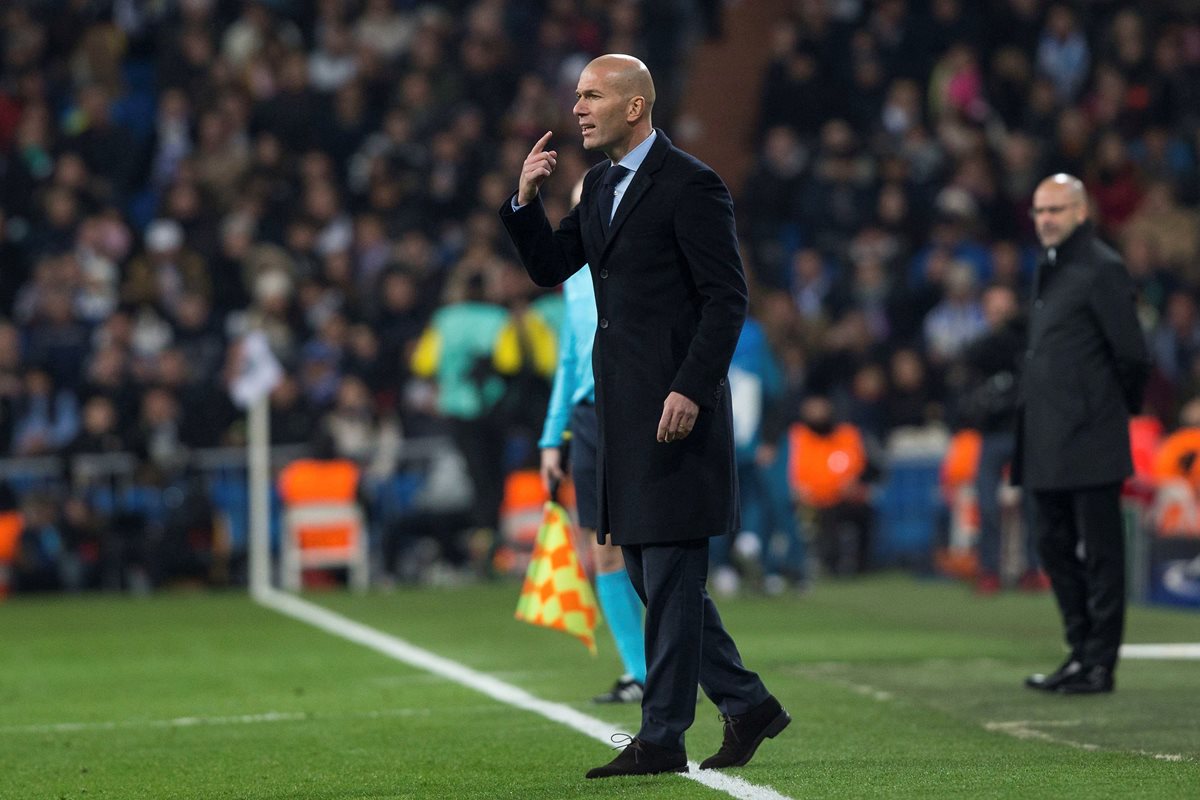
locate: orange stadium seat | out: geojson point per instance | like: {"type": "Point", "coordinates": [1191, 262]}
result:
{"type": "Point", "coordinates": [323, 525]}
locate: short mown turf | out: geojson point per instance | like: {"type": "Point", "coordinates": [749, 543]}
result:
{"type": "Point", "coordinates": [898, 688]}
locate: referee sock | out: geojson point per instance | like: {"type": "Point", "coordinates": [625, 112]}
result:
{"type": "Point", "coordinates": [622, 609]}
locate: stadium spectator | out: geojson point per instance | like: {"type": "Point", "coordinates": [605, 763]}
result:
{"type": "Point", "coordinates": [457, 352]}
{"type": "Point", "coordinates": [829, 470]}
{"type": "Point", "coordinates": [1174, 229]}
{"type": "Point", "coordinates": [55, 338]}
{"type": "Point", "coordinates": [988, 403]}
{"type": "Point", "coordinates": [99, 431]}
{"type": "Point", "coordinates": [165, 271]}
{"type": "Point", "coordinates": [957, 319]}
{"type": "Point", "coordinates": [1063, 52]}
{"type": "Point", "coordinates": [769, 549]}
{"type": "Point", "coordinates": [46, 417]}
{"type": "Point", "coordinates": [42, 562]}
{"type": "Point", "coordinates": [156, 436]}
{"type": "Point", "coordinates": [356, 430]}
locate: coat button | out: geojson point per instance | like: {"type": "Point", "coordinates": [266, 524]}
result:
{"type": "Point", "coordinates": [722, 381]}
{"type": "Point", "coordinates": [603, 323]}
{"type": "Point", "coordinates": [1039, 303]}
{"type": "Point", "coordinates": [603, 273]}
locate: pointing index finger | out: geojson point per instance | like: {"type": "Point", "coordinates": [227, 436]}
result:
{"type": "Point", "coordinates": [537, 148]}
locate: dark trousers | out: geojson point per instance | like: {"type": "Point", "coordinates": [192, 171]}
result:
{"type": "Point", "coordinates": [481, 442]}
{"type": "Point", "coordinates": [686, 644]}
{"type": "Point", "coordinates": [995, 454]}
{"type": "Point", "coordinates": [1082, 545]}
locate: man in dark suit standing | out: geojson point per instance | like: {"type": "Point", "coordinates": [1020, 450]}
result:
{"type": "Point", "coordinates": [656, 227]}
{"type": "Point", "coordinates": [1084, 373]}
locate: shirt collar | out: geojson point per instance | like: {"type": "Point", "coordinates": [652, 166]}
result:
{"type": "Point", "coordinates": [634, 158]}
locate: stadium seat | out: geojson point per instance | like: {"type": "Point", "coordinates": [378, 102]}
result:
{"type": "Point", "coordinates": [11, 525]}
{"type": "Point", "coordinates": [323, 525]}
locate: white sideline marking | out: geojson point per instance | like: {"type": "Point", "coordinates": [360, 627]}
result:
{"type": "Point", "coordinates": [412, 655]}
{"type": "Point", "coordinates": [1024, 729]}
{"type": "Point", "coordinates": [823, 672]}
{"type": "Point", "coordinates": [1021, 729]}
{"type": "Point", "coordinates": [178, 722]}
{"type": "Point", "coordinates": [192, 722]}
{"type": "Point", "coordinates": [869, 691]}
{"type": "Point", "coordinates": [1182, 652]}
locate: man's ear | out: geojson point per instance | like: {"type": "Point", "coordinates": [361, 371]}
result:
{"type": "Point", "coordinates": [637, 107]}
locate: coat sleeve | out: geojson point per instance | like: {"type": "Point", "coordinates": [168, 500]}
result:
{"type": "Point", "coordinates": [1112, 300]}
{"type": "Point", "coordinates": [550, 256]}
{"type": "Point", "coordinates": [707, 239]}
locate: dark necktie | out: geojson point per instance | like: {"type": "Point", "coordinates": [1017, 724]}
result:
{"type": "Point", "coordinates": [608, 190]}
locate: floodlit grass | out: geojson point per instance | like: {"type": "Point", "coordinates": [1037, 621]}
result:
{"type": "Point", "coordinates": [898, 688]}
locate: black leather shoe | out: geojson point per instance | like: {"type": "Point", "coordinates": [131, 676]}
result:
{"type": "Point", "coordinates": [642, 758]}
{"type": "Point", "coordinates": [1048, 683]}
{"type": "Point", "coordinates": [1093, 680]}
{"type": "Point", "coordinates": [745, 732]}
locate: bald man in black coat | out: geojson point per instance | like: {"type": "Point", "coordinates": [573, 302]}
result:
{"type": "Point", "coordinates": [1084, 373]}
{"type": "Point", "coordinates": [656, 227]}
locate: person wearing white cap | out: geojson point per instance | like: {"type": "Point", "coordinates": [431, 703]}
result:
{"type": "Point", "coordinates": [166, 270]}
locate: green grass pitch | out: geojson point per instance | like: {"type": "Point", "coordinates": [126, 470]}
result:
{"type": "Point", "coordinates": [898, 689]}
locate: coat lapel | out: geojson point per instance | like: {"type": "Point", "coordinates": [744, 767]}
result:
{"type": "Point", "coordinates": [643, 179]}
{"type": "Point", "coordinates": [637, 187]}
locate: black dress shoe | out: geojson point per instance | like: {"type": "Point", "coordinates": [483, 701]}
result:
{"type": "Point", "coordinates": [1093, 680]}
{"type": "Point", "coordinates": [745, 732]}
{"type": "Point", "coordinates": [642, 758]}
{"type": "Point", "coordinates": [1048, 683]}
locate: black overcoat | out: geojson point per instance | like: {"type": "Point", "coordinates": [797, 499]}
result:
{"type": "Point", "coordinates": [1085, 370]}
{"type": "Point", "coordinates": [671, 300]}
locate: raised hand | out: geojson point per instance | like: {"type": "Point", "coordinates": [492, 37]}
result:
{"type": "Point", "coordinates": [537, 167]}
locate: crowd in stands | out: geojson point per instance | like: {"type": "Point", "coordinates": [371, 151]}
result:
{"type": "Point", "coordinates": [175, 173]}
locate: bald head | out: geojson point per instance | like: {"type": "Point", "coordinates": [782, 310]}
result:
{"type": "Point", "coordinates": [628, 75]}
{"type": "Point", "coordinates": [1068, 184]}
{"type": "Point", "coordinates": [1059, 207]}
{"type": "Point", "coordinates": [613, 103]}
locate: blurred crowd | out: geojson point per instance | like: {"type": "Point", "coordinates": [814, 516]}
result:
{"type": "Point", "coordinates": [174, 173]}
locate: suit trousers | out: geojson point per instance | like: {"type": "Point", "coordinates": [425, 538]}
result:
{"type": "Point", "coordinates": [1082, 545]}
{"type": "Point", "coordinates": [686, 644]}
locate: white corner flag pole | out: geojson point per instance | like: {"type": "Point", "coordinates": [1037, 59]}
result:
{"type": "Point", "coordinates": [258, 460]}
{"type": "Point", "coordinates": [258, 372]}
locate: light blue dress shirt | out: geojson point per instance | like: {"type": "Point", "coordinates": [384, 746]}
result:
{"type": "Point", "coordinates": [632, 162]}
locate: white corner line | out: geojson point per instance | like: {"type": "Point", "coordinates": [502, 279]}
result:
{"type": "Point", "coordinates": [1024, 729]}
{"type": "Point", "coordinates": [1162, 652]}
{"type": "Point", "coordinates": [400, 650]}
{"type": "Point", "coordinates": [1030, 730]}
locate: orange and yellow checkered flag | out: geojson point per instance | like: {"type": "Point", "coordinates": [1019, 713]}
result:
{"type": "Point", "coordinates": [556, 591]}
